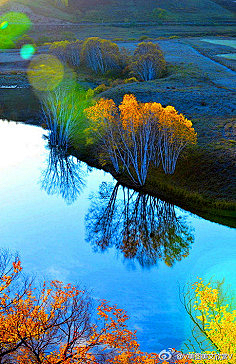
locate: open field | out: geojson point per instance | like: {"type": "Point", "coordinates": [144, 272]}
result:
{"type": "Point", "coordinates": [128, 32]}
{"type": "Point", "coordinates": [215, 49]}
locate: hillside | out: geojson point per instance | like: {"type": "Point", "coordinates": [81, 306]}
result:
{"type": "Point", "coordinates": [131, 10]}
{"type": "Point", "coordinates": [153, 9]}
{"type": "Point", "coordinates": [228, 4]}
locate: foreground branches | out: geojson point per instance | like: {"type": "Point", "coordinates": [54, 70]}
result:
{"type": "Point", "coordinates": [214, 320]}
{"type": "Point", "coordinates": [53, 325]}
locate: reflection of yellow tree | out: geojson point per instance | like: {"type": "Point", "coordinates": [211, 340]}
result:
{"type": "Point", "coordinates": [213, 318]}
{"type": "Point", "coordinates": [142, 227]}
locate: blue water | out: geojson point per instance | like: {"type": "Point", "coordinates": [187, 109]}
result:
{"type": "Point", "coordinates": [49, 235]}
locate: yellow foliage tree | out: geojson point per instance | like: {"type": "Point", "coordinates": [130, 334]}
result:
{"type": "Point", "coordinates": [176, 133]}
{"type": "Point", "coordinates": [214, 321]}
{"type": "Point", "coordinates": [136, 134]}
{"type": "Point", "coordinates": [101, 55]}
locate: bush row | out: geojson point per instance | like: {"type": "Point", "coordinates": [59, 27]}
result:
{"type": "Point", "coordinates": [104, 57]}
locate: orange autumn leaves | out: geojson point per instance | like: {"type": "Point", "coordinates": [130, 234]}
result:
{"type": "Point", "coordinates": [52, 325]}
{"type": "Point", "coordinates": [137, 135]}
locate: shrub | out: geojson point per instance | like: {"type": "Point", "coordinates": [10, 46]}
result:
{"type": "Point", "coordinates": [101, 88]}
{"type": "Point", "coordinates": [130, 80]}
{"type": "Point", "coordinates": [67, 35]}
{"type": "Point", "coordinates": [59, 49]}
{"type": "Point", "coordinates": [63, 112]}
{"type": "Point", "coordinates": [25, 39]}
{"type": "Point", "coordinates": [160, 14]}
{"type": "Point", "coordinates": [101, 55]}
{"type": "Point", "coordinates": [116, 82]}
{"type": "Point", "coordinates": [148, 62]}
{"type": "Point", "coordinates": [143, 37]}
{"type": "Point", "coordinates": [42, 40]}
{"type": "Point", "coordinates": [73, 52]}
{"type": "Point", "coordinates": [67, 52]}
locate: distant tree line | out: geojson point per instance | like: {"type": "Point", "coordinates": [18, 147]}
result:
{"type": "Point", "coordinates": [104, 57]}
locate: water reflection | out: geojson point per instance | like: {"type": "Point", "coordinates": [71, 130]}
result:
{"type": "Point", "coordinates": [63, 175]}
{"type": "Point", "coordinates": [144, 228]}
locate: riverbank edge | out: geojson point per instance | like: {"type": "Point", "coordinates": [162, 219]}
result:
{"type": "Point", "coordinates": [216, 210]}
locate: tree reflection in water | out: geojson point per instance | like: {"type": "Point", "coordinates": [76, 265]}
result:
{"type": "Point", "coordinates": [142, 227]}
{"type": "Point", "coordinates": [63, 175]}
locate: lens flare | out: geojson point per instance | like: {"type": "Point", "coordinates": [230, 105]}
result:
{"type": "Point", "coordinates": [12, 26]}
{"type": "Point", "coordinates": [4, 25]}
{"type": "Point", "coordinates": [27, 51]}
{"type": "Point", "coordinates": [15, 24]}
{"type": "Point", "coordinates": [45, 72]}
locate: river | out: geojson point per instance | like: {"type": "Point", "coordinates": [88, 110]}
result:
{"type": "Point", "coordinates": [47, 215]}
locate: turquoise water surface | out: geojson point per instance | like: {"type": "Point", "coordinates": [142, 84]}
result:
{"type": "Point", "coordinates": [49, 211]}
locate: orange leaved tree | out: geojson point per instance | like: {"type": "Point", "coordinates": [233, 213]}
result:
{"type": "Point", "coordinates": [136, 134]}
{"type": "Point", "coordinates": [176, 132]}
{"type": "Point", "coordinates": [53, 325]}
